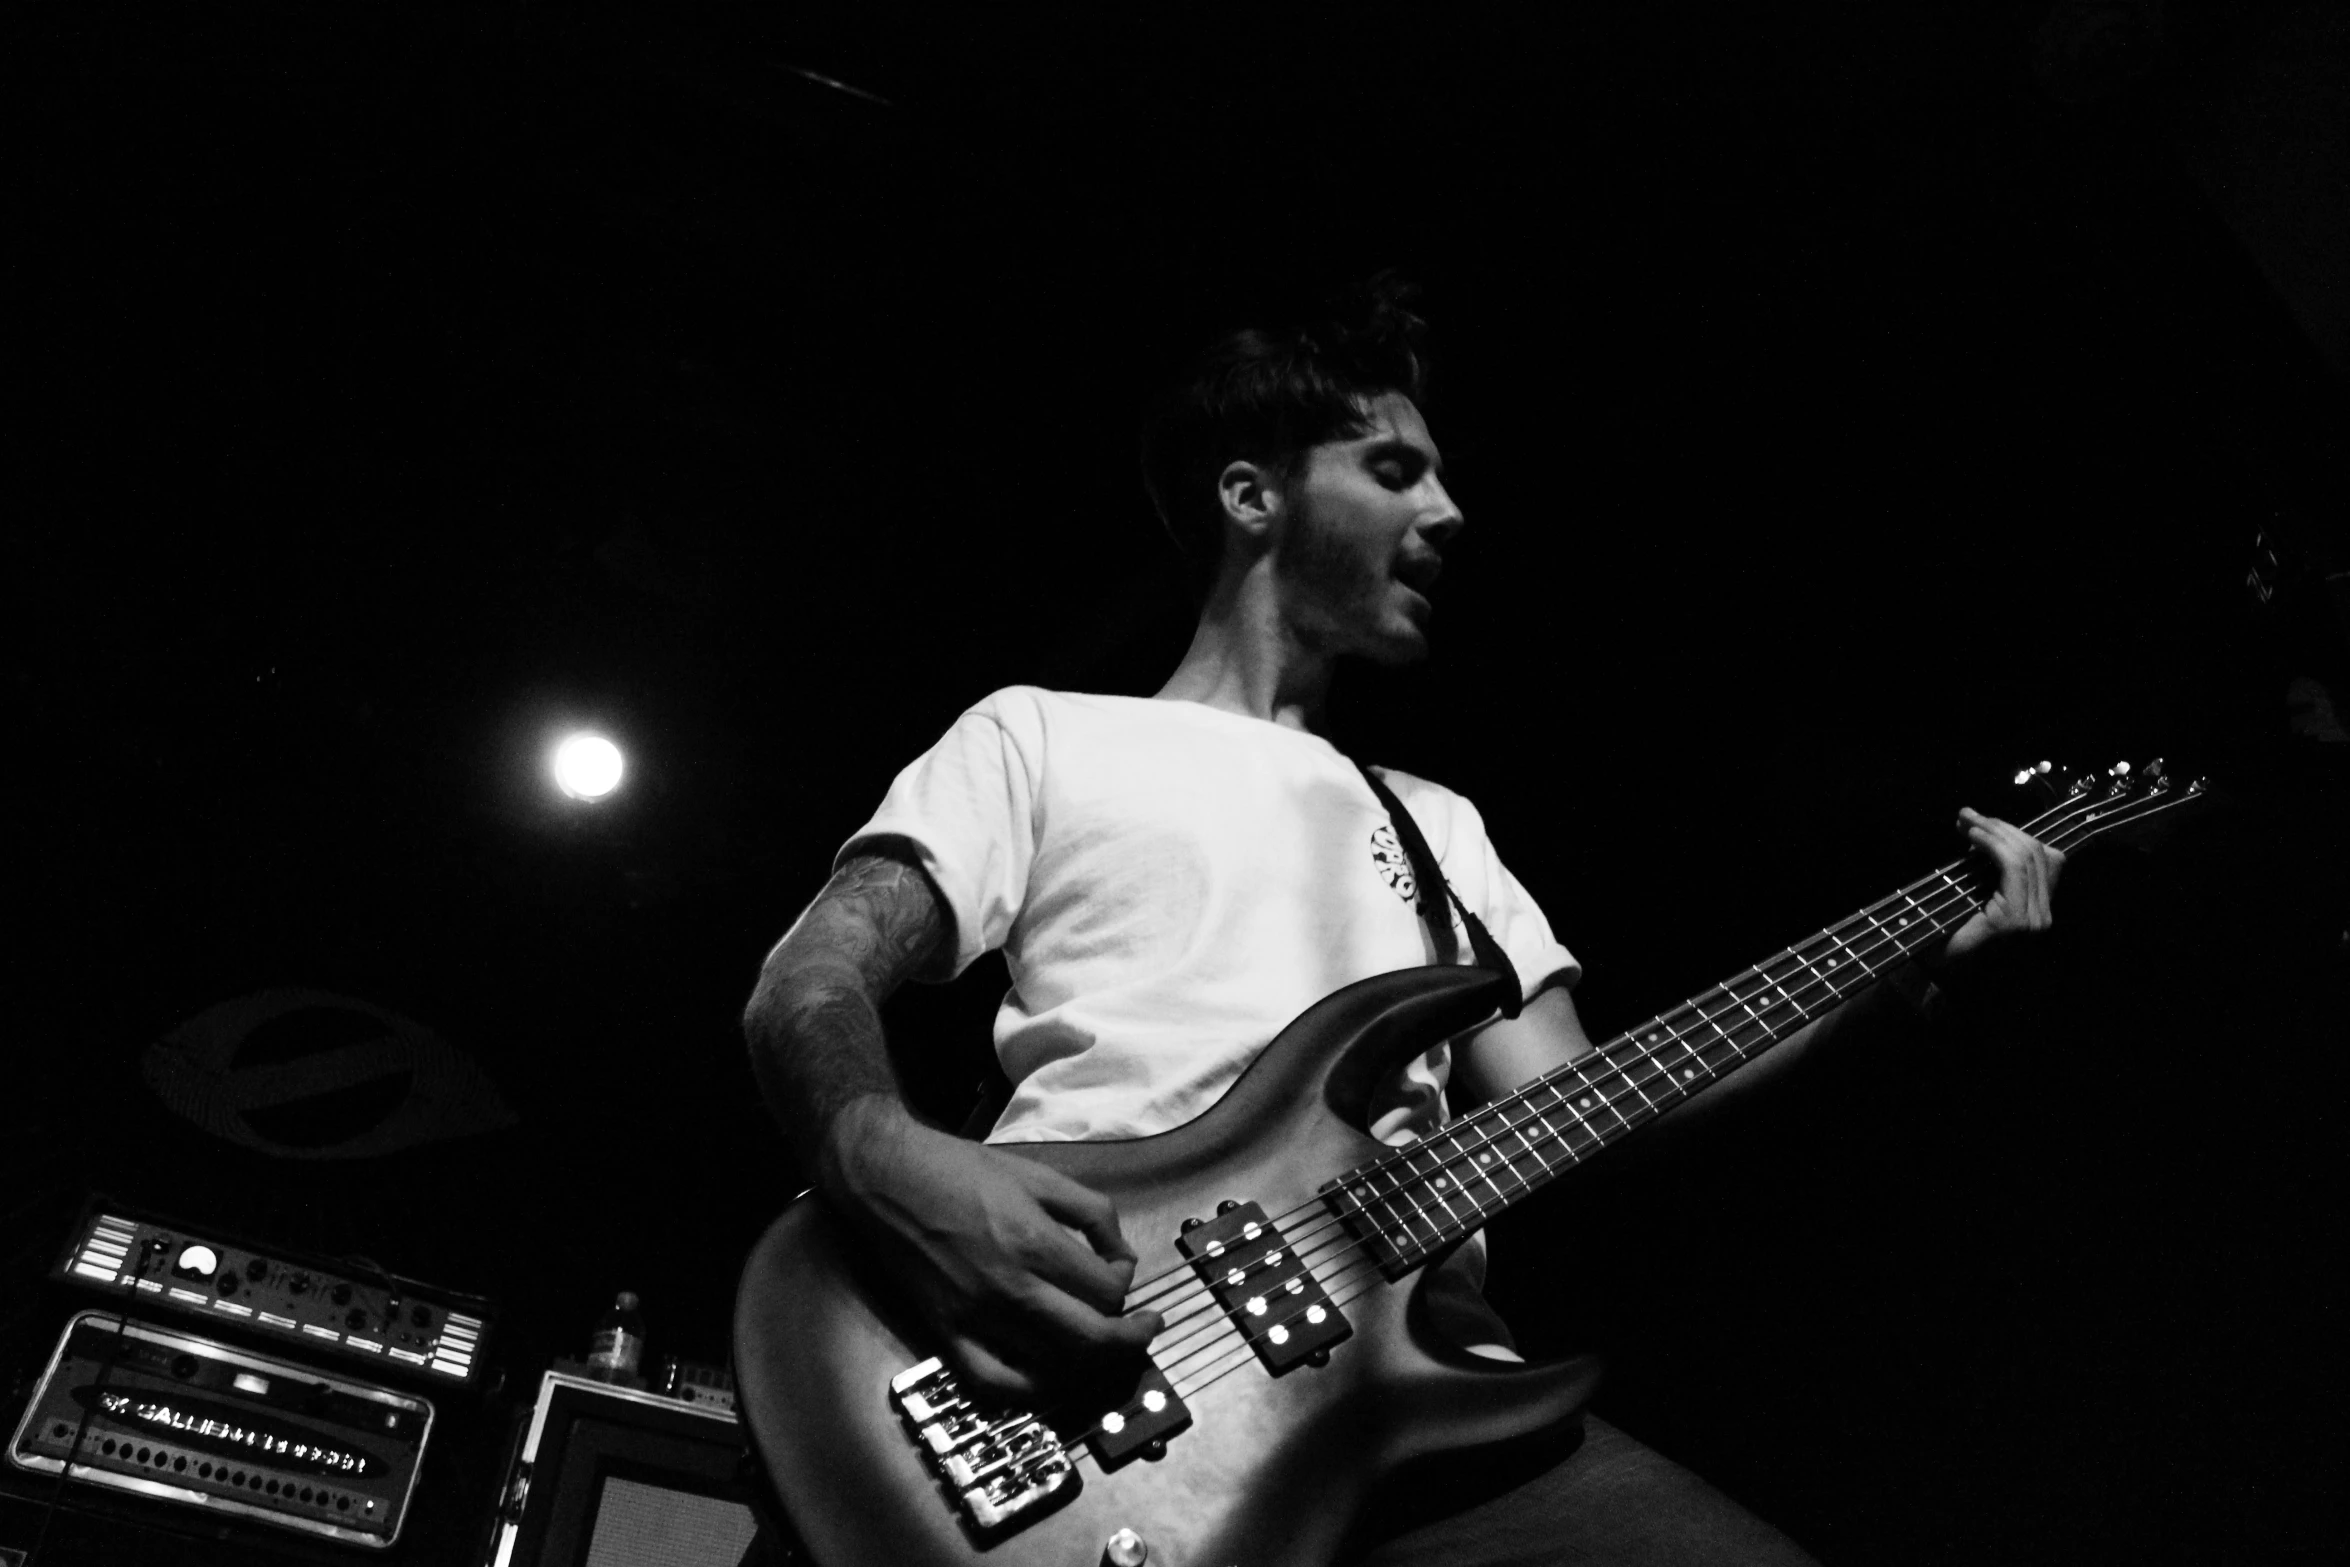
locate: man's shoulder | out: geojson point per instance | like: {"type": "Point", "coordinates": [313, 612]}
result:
{"type": "Point", "coordinates": [1012, 703]}
{"type": "Point", "coordinates": [1443, 813]}
{"type": "Point", "coordinates": [1411, 787]}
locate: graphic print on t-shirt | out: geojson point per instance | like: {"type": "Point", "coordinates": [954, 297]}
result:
{"type": "Point", "coordinates": [1395, 866]}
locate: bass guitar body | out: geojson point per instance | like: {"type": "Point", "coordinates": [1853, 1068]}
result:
{"type": "Point", "coordinates": [1261, 1458]}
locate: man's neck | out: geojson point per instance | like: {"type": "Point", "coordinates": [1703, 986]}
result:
{"type": "Point", "coordinates": [1243, 659]}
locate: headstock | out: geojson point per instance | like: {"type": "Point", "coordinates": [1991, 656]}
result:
{"type": "Point", "coordinates": [2090, 804]}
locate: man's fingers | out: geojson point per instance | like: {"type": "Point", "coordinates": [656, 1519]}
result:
{"type": "Point", "coordinates": [1084, 1210]}
{"type": "Point", "coordinates": [1071, 1323]}
{"type": "Point", "coordinates": [1072, 1270]}
{"type": "Point", "coordinates": [990, 1370]}
{"type": "Point", "coordinates": [2027, 869]}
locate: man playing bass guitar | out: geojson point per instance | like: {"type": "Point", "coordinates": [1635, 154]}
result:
{"type": "Point", "coordinates": [1174, 878]}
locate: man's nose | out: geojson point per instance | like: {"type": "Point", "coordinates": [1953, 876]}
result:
{"type": "Point", "coordinates": [1444, 519]}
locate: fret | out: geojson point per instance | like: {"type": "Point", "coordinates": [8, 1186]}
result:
{"type": "Point", "coordinates": [1609, 1099]}
{"type": "Point", "coordinates": [1879, 924]}
{"type": "Point", "coordinates": [1526, 1146]}
{"type": "Point", "coordinates": [1479, 1161]}
{"type": "Point", "coordinates": [1564, 1106]}
{"type": "Point", "coordinates": [1850, 956]}
{"type": "Point", "coordinates": [1791, 1001]}
{"type": "Point", "coordinates": [1693, 1063]}
{"type": "Point", "coordinates": [1902, 936]}
{"type": "Point", "coordinates": [1413, 1201]}
{"type": "Point", "coordinates": [1675, 1079]}
{"type": "Point", "coordinates": [1495, 1160]}
{"type": "Point", "coordinates": [1635, 1087]}
{"type": "Point", "coordinates": [1591, 1102]}
{"type": "Point", "coordinates": [1402, 1221]}
{"type": "Point", "coordinates": [1822, 968]}
{"type": "Point", "coordinates": [1574, 1157]}
{"type": "Point", "coordinates": [1434, 1179]}
{"type": "Point", "coordinates": [1727, 1037]}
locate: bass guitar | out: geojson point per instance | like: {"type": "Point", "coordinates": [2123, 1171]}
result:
{"type": "Point", "coordinates": [1284, 1248]}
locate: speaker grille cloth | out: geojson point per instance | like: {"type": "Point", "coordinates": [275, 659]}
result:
{"type": "Point", "coordinates": [652, 1526]}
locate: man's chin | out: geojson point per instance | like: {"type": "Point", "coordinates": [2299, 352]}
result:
{"type": "Point", "coordinates": [1398, 649]}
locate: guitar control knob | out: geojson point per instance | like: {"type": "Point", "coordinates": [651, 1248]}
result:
{"type": "Point", "coordinates": [1226, 1206]}
{"type": "Point", "coordinates": [1125, 1549]}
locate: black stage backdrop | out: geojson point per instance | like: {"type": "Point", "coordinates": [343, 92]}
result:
{"type": "Point", "coordinates": [1849, 404]}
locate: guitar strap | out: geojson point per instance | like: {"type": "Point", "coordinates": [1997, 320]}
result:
{"type": "Point", "coordinates": [1434, 890]}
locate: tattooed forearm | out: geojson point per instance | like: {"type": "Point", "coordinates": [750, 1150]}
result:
{"type": "Point", "coordinates": [814, 1022]}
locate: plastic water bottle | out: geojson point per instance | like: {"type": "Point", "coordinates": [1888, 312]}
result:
{"type": "Point", "coordinates": [618, 1348]}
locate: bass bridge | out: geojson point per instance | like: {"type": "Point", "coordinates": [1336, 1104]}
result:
{"type": "Point", "coordinates": [1006, 1468]}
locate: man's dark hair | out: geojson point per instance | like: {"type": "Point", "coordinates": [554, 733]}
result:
{"type": "Point", "coordinates": [1267, 397]}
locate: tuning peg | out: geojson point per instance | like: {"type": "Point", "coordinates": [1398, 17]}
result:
{"type": "Point", "coordinates": [2047, 767]}
{"type": "Point", "coordinates": [2120, 769]}
{"type": "Point", "coordinates": [2152, 772]}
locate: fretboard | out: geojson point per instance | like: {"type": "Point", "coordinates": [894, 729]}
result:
{"type": "Point", "coordinates": [1407, 1205]}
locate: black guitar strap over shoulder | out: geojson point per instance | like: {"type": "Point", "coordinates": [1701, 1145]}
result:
{"type": "Point", "coordinates": [1434, 890]}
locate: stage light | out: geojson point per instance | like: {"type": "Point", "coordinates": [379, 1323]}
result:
{"type": "Point", "coordinates": [587, 766]}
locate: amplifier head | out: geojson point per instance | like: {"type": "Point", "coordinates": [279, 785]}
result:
{"type": "Point", "coordinates": [163, 1413]}
{"type": "Point", "coordinates": [373, 1324]}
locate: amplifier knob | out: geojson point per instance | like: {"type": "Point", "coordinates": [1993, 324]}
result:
{"type": "Point", "coordinates": [226, 1283]}
{"type": "Point", "coordinates": [256, 1269]}
{"type": "Point", "coordinates": [299, 1284]}
{"type": "Point", "coordinates": [340, 1295]}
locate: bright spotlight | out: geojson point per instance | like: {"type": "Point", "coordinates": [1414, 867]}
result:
{"type": "Point", "coordinates": [587, 766]}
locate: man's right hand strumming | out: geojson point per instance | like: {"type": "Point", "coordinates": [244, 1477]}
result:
{"type": "Point", "coordinates": [1019, 1271]}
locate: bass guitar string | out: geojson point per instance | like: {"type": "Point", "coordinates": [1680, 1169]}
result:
{"type": "Point", "coordinates": [1592, 1079]}
{"type": "Point", "coordinates": [2061, 837]}
{"type": "Point", "coordinates": [1646, 1055]}
{"type": "Point", "coordinates": [1650, 1052]}
{"type": "Point", "coordinates": [1365, 1269]}
{"type": "Point", "coordinates": [1226, 1358]}
{"type": "Point", "coordinates": [1610, 1086]}
{"type": "Point", "coordinates": [1940, 882]}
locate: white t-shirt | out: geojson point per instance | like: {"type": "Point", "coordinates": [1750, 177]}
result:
{"type": "Point", "coordinates": [1171, 885]}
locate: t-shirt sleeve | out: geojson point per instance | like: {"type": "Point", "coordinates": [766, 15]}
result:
{"type": "Point", "coordinates": [966, 807]}
{"type": "Point", "coordinates": [1510, 913]}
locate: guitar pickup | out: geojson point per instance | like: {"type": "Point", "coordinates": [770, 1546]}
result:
{"type": "Point", "coordinates": [1153, 1414]}
{"type": "Point", "coordinates": [1004, 1469]}
{"type": "Point", "coordinates": [1264, 1287]}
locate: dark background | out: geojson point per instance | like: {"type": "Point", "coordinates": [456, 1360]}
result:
{"type": "Point", "coordinates": [1849, 404]}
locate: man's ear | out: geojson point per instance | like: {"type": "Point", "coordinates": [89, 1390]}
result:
{"type": "Point", "coordinates": [1251, 496]}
